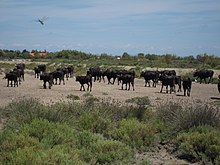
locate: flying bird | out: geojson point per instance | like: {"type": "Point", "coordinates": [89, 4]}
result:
{"type": "Point", "coordinates": [41, 20]}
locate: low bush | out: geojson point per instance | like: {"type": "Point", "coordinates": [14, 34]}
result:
{"type": "Point", "coordinates": [40, 142]}
{"type": "Point", "coordinates": [95, 123]}
{"type": "Point", "coordinates": [135, 134]}
{"type": "Point", "coordinates": [106, 131]}
{"type": "Point", "coordinates": [111, 152]}
{"type": "Point", "coordinates": [181, 118]}
{"type": "Point", "coordinates": [200, 144]}
{"type": "Point", "coordinates": [140, 110]}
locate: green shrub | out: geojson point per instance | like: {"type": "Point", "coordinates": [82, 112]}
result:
{"type": "Point", "coordinates": [94, 122]}
{"type": "Point", "coordinates": [63, 112]}
{"type": "Point", "coordinates": [94, 149]}
{"type": "Point", "coordinates": [180, 118]}
{"type": "Point", "coordinates": [111, 152]}
{"type": "Point", "coordinates": [39, 142]}
{"type": "Point", "coordinates": [135, 134]}
{"type": "Point", "coordinates": [23, 111]}
{"type": "Point", "coordinates": [141, 107]}
{"type": "Point", "coordinates": [73, 97]}
{"type": "Point", "coordinates": [48, 133]}
{"type": "Point", "coordinates": [85, 139]}
{"type": "Point", "coordinates": [199, 144]}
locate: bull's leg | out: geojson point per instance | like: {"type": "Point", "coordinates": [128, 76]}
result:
{"type": "Point", "coordinates": [87, 86]}
{"type": "Point", "coordinates": [184, 91]}
{"type": "Point", "coordinates": [63, 81]}
{"type": "Point", "coordinates": [16, 83]}
{"type": "Point", "coordinates": [109, 82]}
{"type": "Point", "coordinates": [188, 91]}
{"type": "Point", "coordinates": [129, 85]}
{"type": "Point", "coordinates": [148, 83]}
{"type": "Point", "coordinates": [67, 76]}
{"type": "Point", "coordinates": [161, 89]}
{"type": "Point", "coordinates": [19, 79]}
{"type": "Point", "coordinates": [90, 84]}
{"type": "Point", "coordinates": [122, 86]}
{"type": "Point", "coordinates": [154, 83]}
{"type": "Point", "coordinates": [44, 85]}
{"type": "Point", "coordinates": [205, 80]}
{"type": "Point", "coordinates": [119, 82]}
{"type": "Point", "coordinates": [145, 83]}
{"type": "Point", "coordinates": [179, 89]}
{"type": "Point", "coordinates": [83, 87]}
{"type": "Point", "coordinates": [174, 89]}
{"type": "Point", "coordinates": [103, 78]}
{"type": "Point", "coordinates": [50, 84]}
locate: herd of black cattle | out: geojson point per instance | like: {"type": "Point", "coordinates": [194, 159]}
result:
{"type": "Point", "coordinates": [168, 78]}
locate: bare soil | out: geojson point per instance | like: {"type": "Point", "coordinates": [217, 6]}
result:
{"type": "Point", "coordinates": [33, 88]}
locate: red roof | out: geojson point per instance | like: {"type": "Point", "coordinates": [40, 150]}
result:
{"type": "Point", "coordinates": [40, 53]}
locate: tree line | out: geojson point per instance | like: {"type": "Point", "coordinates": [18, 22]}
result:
{"type": "Point", "coordinates": [153, 60]}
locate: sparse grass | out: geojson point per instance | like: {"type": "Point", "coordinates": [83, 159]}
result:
{"type": "Point", "coordinates": [182, 118]}
{"type": "Point", "coordinates": [73, 97]}
{"type": "Point", "coordinates": [104, 93]}
{"type": "Point", "coordinates": [87, 94]}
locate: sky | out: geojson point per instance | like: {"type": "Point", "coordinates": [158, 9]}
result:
{"type": "Point", "coordinates": [179, 27]}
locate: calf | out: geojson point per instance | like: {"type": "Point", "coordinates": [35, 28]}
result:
{"type": "Point", "coordinates": [19, 73]}
{"type": "Point", "coordinates": [47, 78]}
{"type": "Point", "coordinates": [94, 72]}
{"type": "Point", "coordinates": [42, 68]}
{"type": "Point", "coordinates": [85, 80]}
{"type": "Point", "coordinates": [178, 82]}
{"type": "Point", "coordinates": [58, 74]}
{"type": "Point", "coordinates": [127, 80]}
{"type": "Point", "coordinates": [187, 83]}
{"type": "Point", "coordinates": [11, 78]}
{"type": "Point", "coordinates": [70, 71]}
{"type": "Point", "coordinates": [36, 72]}
{"type": "Point", "coordinates": [110, 74]}
{"type": "Point", "coordinates": [168, 81]}
{"type": "Point", "coordinates": [20, 66]}
{"type": "Point", "coordinates": [150, 75]}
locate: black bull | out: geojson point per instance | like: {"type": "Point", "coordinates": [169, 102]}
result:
{"type": "Point", "coordinates": [203, 74]}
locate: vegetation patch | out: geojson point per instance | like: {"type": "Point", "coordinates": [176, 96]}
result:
{"type": "Point", "coordinates": [104, 131]}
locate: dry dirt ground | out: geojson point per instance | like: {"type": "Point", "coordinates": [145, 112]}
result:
{"type": "Point", "coordinates": [32, 88]}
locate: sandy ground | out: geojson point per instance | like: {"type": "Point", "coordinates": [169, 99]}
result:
{"type": "Point", "coordinates": [32, 88]}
